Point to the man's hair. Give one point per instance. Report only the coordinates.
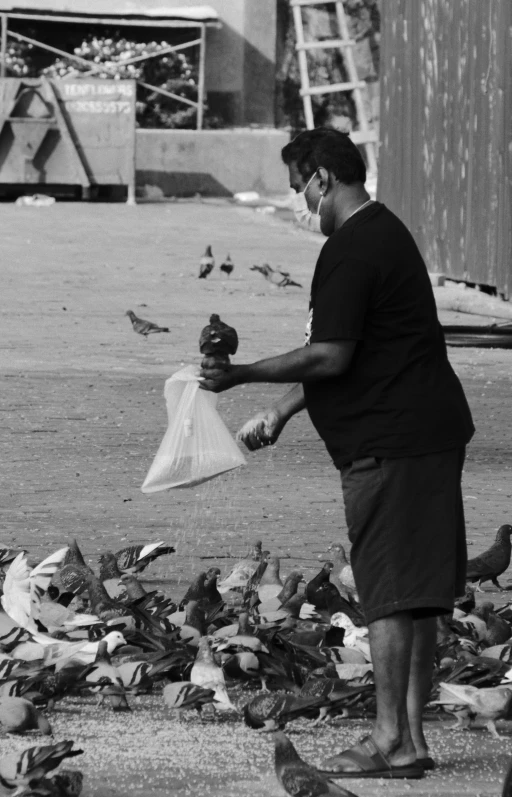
(328, 148)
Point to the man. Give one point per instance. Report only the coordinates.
(376, 381)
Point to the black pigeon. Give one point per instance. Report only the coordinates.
(493, 562)
(315, 589)
(143, 327)
(228, 266)
(206, 264)
(218, 339)
(298, 778)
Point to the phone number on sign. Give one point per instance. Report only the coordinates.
(99, 106)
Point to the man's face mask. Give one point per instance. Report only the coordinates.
(305, 217)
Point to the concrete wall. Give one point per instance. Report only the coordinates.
(240, 60)
(211, 162)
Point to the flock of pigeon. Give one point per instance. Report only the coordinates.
(206, 265)
(267, 650)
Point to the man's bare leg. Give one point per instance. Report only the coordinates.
(391, 646)
(420, 679)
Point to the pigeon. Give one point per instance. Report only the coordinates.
(270, 583)
(18, 715)
(23, 588)
(342, 570)
(227, 266)
(133, 587)
(207, 263)
(489, 704)
(136, 558)
(275, 276)
(102, 605)
(290, 587)
(101, 675)
(26, 770)
(493, 562)
(143, 327)
(497, 630)
(217, 339)
(110, 575)
(286, 282)
(7, 555)
(317, 590)
(195, 592)
(186, 696)
(298, 778)
(66, 783)
(243, 570)
(272, 710)
(207, 674)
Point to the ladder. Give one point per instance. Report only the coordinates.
(365, 135)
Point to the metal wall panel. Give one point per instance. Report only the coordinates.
(445, 161)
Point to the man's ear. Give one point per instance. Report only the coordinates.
(324, 179)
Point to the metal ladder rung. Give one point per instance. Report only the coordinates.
(312, 2)
(364, 136)
(331, 88)
(326, 44)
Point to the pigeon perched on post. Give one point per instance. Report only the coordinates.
(493, 562)
(143, 327)
(298, 778)
(206, 264)
(228, 266)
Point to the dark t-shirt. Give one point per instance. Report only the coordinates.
(400, 396)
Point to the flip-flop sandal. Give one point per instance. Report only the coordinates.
(427, 763)
(372, 763)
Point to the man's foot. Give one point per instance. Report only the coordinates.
(367, 760)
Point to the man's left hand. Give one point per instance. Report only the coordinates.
(219, 379)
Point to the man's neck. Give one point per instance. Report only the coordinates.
(349, 204)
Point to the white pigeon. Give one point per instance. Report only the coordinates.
(24, 588)
(468, 702)
(207, 674)
(59, 652)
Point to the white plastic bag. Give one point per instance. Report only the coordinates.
(197, 445)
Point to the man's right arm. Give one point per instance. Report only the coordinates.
(265, 428)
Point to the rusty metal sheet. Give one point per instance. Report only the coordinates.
(445, 161)
(67, 132)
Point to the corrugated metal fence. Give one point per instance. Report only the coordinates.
(445, 162)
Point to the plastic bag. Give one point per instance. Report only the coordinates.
(197, 446)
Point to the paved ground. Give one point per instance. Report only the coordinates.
(83, 414)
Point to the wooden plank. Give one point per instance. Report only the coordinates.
(131, 22)
(330, 88)
(303, 68)
(201, 79)
(326, 44)
(312, 2)
(3, 45)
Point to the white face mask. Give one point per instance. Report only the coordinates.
(305, 217)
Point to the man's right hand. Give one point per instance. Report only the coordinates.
(262, 430)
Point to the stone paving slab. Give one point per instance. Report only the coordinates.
(82, 415)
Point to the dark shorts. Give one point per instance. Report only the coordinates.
(406, 524)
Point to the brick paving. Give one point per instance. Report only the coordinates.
(82, 410)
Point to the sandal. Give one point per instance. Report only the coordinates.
(427, 763)
(372, 763)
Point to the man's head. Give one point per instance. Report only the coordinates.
(325, 162)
